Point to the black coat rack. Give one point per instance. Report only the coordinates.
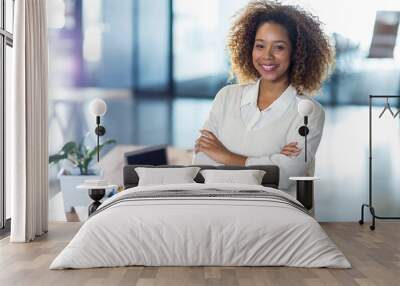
(369, 205)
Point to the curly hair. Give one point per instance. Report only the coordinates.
(312, 56)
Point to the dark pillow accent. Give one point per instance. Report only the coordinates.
(270, 179)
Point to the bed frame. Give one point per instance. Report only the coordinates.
(270, 179)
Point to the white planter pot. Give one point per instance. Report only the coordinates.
(72, 196)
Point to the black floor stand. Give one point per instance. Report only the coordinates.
(305, 193)
(374, 216)
(96, 195)
(371, 208)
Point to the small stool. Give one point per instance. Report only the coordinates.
(305, 190)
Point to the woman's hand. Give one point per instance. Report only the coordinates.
(209, 144)
(291, 150)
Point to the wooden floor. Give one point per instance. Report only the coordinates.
(375, 257)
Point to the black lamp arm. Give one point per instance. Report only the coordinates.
(99, 131)
(303, 131)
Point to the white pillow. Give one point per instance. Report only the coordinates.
(248, 177)
(164, 176)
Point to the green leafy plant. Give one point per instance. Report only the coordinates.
(79, 154)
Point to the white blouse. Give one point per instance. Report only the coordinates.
(253, 117)
(260, 135)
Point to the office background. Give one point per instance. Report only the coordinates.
(158, 64)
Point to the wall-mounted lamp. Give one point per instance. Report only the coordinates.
(98, 108)
(305, 107)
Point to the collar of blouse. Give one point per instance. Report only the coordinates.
(250, 96)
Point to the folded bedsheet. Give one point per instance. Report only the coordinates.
(201, 224)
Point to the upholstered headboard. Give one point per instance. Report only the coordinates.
(270, 179)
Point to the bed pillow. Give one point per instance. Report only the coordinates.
(165, 176)
(248, 177)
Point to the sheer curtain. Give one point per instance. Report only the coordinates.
(27, 117)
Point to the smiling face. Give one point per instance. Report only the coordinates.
(271, 52)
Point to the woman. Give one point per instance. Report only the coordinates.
(279, 53)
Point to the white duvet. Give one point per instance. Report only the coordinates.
(200, 231)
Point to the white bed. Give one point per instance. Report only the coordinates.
(206, 230)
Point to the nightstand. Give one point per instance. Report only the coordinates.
(305, 190)
(96, 191)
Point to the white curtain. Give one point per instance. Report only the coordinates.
(28, 143)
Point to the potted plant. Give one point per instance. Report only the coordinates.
(79, 157)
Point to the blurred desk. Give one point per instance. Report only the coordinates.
(113, 162)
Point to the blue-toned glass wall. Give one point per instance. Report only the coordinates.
(101, 50)
(199, 34)
(107, 46)
(351, 26)
(200, 29)
(201, 63)
(152, 46)
(90, 45)
(126, 47)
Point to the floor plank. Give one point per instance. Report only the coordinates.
(374, 255)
